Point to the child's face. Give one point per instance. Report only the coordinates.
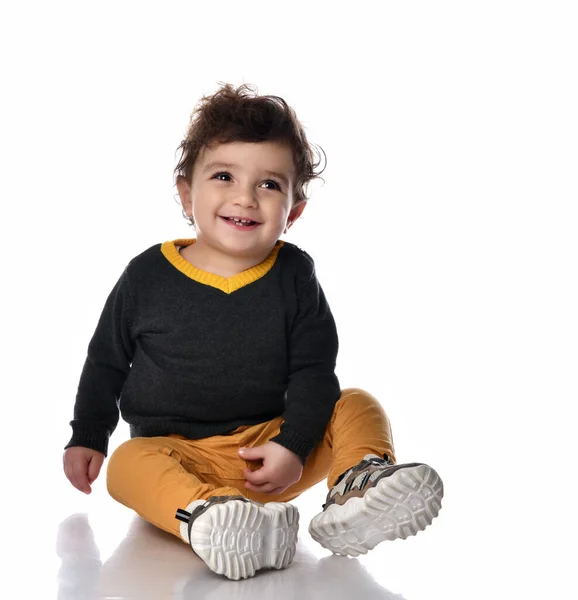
(251, 181)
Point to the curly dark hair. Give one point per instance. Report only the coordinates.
(241, 115)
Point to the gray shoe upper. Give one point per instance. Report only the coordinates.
(359, 478)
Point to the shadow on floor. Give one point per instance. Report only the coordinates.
(151, 564)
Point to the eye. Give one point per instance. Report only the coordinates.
(219, 174)
(228, 175)
(274, 183)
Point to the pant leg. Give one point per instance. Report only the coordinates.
(358, 426)
(155, 476)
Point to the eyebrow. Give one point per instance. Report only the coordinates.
(222, 165)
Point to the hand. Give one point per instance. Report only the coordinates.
(82, 466)
(281, 468)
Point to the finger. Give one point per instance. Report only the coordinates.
(68, 464)
(251, 453)
(67, 471)
(258, 477)
(94, 467)
(80, 479)
(278, 490)
(262, 489)
(70, 469)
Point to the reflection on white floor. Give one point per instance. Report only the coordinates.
(105, 551)
(64, 545)
(151, 564)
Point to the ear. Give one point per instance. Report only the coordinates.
(295, 213)
(184, 189)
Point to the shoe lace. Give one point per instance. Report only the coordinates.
(358, 481)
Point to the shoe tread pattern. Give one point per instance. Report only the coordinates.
(398, 506)
(237, 538)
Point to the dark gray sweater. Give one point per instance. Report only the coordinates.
(180, 350)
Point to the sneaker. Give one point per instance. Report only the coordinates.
(236, 536)
(376, 501)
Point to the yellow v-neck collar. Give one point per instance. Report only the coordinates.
(225, 284)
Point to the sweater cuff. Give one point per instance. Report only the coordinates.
(294, 441)
(89, 438)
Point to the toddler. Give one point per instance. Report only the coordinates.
(219, 351)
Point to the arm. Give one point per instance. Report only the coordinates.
(107, 365)
(313, 387)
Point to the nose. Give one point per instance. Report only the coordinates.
(246, 198)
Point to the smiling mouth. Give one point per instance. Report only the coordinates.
(241, 222)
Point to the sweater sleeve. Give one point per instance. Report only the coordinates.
(313, 387)
(105, 370)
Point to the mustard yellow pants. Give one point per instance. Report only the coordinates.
(154, 476)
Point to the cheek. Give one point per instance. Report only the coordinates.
(204, 206)
(279, 214)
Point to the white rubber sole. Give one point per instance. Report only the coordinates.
(397, 507)
(237, 538)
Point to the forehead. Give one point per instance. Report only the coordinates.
(265, 156)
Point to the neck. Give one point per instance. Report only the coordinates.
(219, 263)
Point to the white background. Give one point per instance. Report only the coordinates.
(444, 237)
